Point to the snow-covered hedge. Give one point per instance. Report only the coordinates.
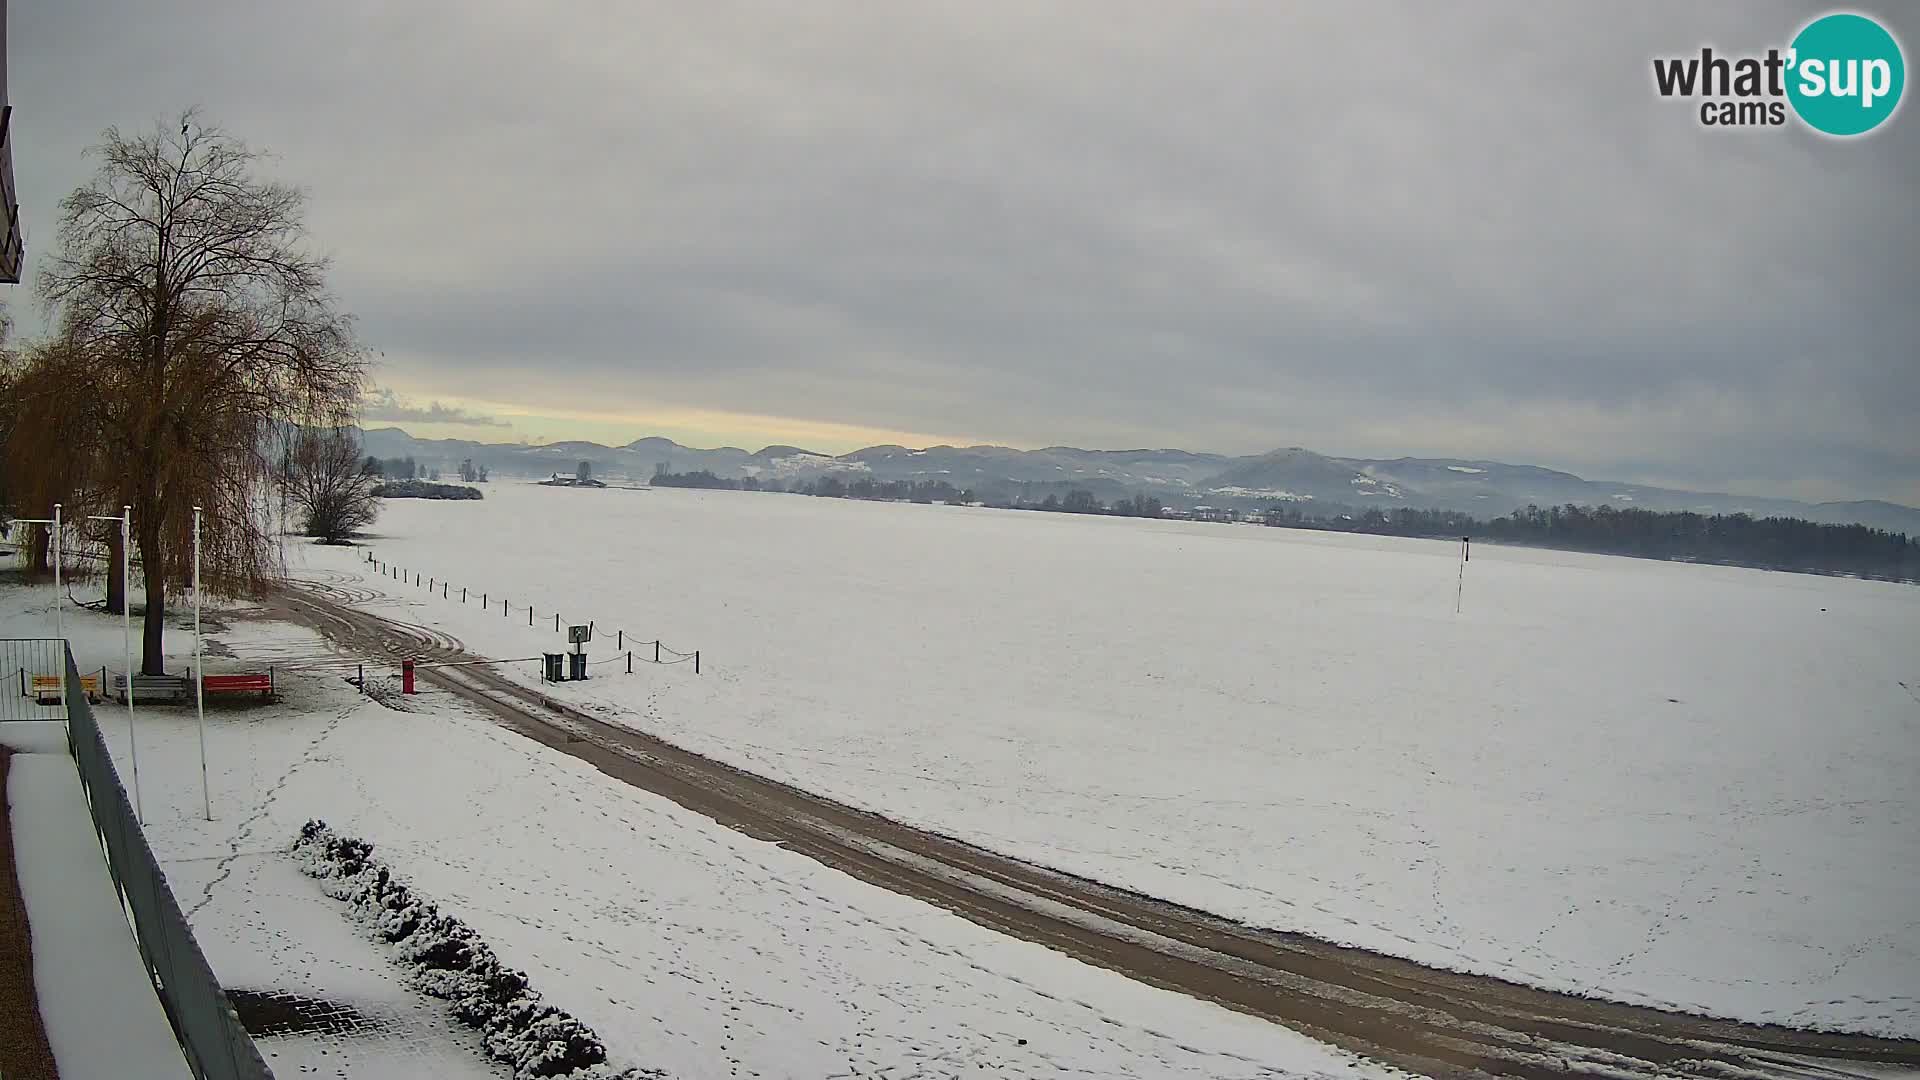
(446, 959)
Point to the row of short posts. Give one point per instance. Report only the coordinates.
(549, 672)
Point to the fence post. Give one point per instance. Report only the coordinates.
(629, 661)
(696, 661)
(556, 622)
(443, 590)
(656, 650)
(363, 678)
(619, 639)
(529, 614)
(463, 594)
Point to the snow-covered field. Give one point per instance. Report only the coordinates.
(1679, 785)
(687, 946)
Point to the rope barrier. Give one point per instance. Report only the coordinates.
(475, 663)
(443, 588)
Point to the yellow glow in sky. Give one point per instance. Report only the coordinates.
(702, 428)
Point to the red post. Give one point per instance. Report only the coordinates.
(406, 676)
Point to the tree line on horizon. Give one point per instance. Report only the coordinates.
(1775, 543)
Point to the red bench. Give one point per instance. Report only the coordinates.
(238, 684)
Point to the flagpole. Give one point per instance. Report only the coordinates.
(59, 604)
(126, 630)
(59, 613)
(125, 519)
(1460, 584)
(200, 675)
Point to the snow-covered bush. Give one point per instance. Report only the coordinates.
(445, 958)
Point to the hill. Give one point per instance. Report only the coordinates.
(1328, 485)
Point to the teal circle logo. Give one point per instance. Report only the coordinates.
(1845, 74)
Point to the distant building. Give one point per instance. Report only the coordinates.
(571, 480)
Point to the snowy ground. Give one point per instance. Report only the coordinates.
(687, 946)
(1678, 785)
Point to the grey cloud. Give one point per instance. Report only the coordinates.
(382, 404)
(1415, 229)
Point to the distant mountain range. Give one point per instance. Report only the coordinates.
(1315, 482)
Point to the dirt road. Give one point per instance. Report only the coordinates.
(1424, 1020)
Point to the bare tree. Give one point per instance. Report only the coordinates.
(187, 281)
(331, 486)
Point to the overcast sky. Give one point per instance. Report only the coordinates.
(1429, 230)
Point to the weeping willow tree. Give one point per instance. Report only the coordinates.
(49, 449)
(194, 329)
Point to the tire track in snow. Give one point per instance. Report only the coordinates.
(1426, 1020)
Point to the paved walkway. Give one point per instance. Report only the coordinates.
(24, 1052)
(88, 976)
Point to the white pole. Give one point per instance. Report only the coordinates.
(199, 675)
(1461, 583)
(126, 624)
(59, 616)
(59, 605)
(59, 594)
(125, 519)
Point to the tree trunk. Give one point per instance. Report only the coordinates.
(153, 652)
(41, 565)
(116, 585)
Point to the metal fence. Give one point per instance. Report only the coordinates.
(30, 679)
(216, 1045)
